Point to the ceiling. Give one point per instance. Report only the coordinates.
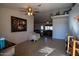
(39, 6)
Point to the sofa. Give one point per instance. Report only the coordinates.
(35, 36)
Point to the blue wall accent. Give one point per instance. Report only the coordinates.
(73, 23)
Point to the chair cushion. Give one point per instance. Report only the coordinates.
(35, 36)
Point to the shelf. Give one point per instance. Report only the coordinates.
(58, 16)
(77, 49)
(73, 46)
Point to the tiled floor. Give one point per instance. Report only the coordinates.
(30, 48)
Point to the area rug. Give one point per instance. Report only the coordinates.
(46, 50)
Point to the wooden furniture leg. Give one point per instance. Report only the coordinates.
(68, 44)
(74, 46)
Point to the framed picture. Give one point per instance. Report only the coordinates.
(18, 24)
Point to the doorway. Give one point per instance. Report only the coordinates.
(46, 30)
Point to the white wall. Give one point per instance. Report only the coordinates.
(5, 25)
(60, 27)
(73, 23)
(0, 25)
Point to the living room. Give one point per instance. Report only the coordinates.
(33, 27)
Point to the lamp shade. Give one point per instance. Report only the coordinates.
(77, 18)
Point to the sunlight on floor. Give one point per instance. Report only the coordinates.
(46, 50)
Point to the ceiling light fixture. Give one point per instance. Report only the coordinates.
(30, 11)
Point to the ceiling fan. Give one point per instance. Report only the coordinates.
(29, 11)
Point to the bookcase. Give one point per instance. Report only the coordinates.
(72, 46)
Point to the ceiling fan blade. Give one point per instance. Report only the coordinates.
(22, 10)
(35, 14)
(36, 11)
(25, 14)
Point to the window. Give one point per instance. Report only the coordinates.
(48, 28)
(51, 27)
(42, 27)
